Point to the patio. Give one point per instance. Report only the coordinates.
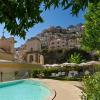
(65, 90)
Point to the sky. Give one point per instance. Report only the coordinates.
(57, 17)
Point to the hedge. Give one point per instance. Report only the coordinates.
(92, 87)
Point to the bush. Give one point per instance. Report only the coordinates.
(75, 58)
(92, 87)
(35, 73)
(84, 55)
(65, 78)
(97, 68)
(47, 72)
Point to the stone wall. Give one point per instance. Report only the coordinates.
(6, 56)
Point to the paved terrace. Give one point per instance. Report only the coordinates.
(65, 90)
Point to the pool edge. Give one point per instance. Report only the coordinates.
(53, 92)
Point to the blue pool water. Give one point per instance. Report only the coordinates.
(23, 90)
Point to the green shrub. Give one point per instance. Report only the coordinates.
(47, 72)
(75, 58)
(97, 68)
(84, 54)
(65, 78)
(92, 87)
(35, 73)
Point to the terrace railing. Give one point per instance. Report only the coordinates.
(8, 76)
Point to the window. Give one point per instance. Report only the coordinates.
(52, 42)
(63, 42)
(31, 49)
(57, 42)
(31, 58)
(63, 45)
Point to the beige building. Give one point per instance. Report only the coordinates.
(74, 43)
(7, 48)
(58, 44)
(30, 52)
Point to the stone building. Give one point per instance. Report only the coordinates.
(7, 48)
(59, 38)
(30, 52)
(57, 44)
(65, 43)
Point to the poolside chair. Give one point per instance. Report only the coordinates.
(63, 73)
(53, 74)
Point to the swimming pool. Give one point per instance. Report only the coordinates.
(24, 90)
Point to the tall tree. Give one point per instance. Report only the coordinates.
(91, 37)
(20, 15)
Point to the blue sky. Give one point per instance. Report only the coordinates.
(52, 17)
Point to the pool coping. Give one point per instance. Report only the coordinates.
(53, 95)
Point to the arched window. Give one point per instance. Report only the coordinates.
(31, 58)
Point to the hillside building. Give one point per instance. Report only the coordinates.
(55, 38)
